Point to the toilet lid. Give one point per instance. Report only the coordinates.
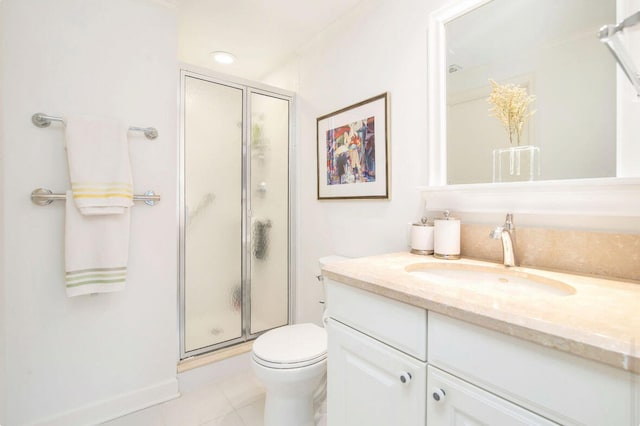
(299, 344)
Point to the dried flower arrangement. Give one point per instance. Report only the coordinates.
(511, 107)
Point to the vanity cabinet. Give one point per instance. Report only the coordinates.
(392, 363)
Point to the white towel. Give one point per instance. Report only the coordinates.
(96, 251)
(99, 167)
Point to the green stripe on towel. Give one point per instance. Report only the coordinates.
(85, 277)
(83, 271)
(121, 280)
(96, 276)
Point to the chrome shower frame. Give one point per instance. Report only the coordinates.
(248, 88)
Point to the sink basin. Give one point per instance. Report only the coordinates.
(513, 281)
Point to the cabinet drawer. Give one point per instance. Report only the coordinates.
(559, 386)
(397, 324)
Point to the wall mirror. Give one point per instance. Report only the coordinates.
(552, 50)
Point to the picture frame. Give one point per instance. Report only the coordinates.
(353, 151)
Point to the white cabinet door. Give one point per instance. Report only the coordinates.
(451, 401)
(370, 383)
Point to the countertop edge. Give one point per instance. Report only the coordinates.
(620, 360)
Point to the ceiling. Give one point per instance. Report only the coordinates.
(262, 34)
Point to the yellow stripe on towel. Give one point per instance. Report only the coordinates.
(115, 195)
(102, 190)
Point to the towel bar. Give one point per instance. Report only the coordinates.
(43, 120)
(44, 197)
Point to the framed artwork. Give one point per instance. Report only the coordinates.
(353, 151)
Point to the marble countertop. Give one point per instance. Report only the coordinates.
(595, 318)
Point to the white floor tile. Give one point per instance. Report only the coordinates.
(243, 389)
(253, 414)
(151, 416)
(238, 401)
(210, 403)
(180, 412)
(231, 419)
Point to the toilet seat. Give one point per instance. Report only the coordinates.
(291, 346)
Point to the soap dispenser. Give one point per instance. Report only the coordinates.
(446, 237)
(422, 237)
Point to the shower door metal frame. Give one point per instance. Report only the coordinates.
(247, 88)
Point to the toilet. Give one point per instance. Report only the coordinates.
(291, 363)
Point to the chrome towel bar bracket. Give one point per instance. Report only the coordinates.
(44, 197)
(43, 120)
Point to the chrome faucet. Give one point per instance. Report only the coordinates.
(507, 233)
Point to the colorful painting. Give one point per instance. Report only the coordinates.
(352, 151)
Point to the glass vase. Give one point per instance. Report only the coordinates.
(516, 163)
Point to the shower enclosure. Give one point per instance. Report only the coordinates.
(235, 180)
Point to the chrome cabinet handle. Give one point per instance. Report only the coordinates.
(438, 394)
(405, 377)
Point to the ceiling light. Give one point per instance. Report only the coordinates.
(223, 57)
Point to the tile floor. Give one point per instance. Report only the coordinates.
(233, 401)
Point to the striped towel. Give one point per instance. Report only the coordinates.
(99, 166)
(96, 251)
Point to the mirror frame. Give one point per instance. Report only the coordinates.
(597, 196)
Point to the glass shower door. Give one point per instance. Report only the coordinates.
(212, 223)
(269, 185)
(234, 212)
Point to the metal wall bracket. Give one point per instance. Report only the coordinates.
(610, 36)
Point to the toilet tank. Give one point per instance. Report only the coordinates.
(323, 261)
(330, 259)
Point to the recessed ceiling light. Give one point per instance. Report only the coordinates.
(223, 57)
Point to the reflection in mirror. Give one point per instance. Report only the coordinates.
(549, 48)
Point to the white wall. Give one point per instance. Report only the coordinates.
(379, 47)
(89, 358)
(3, 321)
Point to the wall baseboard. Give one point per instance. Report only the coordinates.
(115, 407)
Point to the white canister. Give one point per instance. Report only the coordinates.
(422, 238)
(446, 237)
